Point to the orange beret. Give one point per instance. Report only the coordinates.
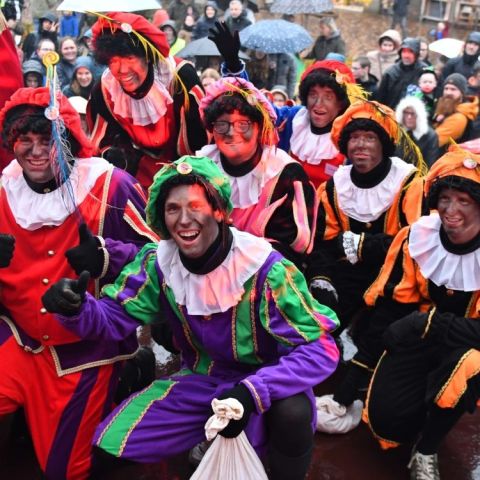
(456, 162)
(379, 113)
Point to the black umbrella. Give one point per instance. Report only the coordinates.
(203, 47)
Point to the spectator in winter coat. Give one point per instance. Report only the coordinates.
(32, 73)
(176, 44)
(82, 79)
(238, 16)
(398, 77)
(455, 111)
(47, 28)
(69, 25)
(464, 64)
(387, 53)
(411, 114)
(328, 41)
(400, 11)
(178, 11)
(363, 77)
(68, 55)
(206, 21)
(283, 71)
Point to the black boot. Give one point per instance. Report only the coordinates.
(283, 467)
(137, 373)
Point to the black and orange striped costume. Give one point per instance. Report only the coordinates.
(440, 369)
(328, 261)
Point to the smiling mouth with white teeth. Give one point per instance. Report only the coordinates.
(189, 236)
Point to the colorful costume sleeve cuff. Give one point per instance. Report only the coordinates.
(100, 320)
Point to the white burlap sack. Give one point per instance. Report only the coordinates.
(228, 458)
(335, 418)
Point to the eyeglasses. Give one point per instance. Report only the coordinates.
(239, 126)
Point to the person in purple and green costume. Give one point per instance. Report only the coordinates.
(240, 314)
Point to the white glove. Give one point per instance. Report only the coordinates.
(350, 246)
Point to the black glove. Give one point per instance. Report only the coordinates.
(123, 155)
(117, 157)
(325, 297)
(243, 395)
(66, 296)
(7, 246)
(87, 255)
(228, 45)
(162, 334)
(405, 332)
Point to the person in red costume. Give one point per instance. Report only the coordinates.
(64, 384)
(144, 111)
(10, 75)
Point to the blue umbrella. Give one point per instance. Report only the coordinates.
(301, 6)
(275, 36)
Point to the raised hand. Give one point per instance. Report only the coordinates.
(228, 45)
(7, 247)
(67, 295)
(87, 255)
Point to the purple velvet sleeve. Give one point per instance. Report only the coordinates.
(304, 367)
(102, 319)
(119, 255)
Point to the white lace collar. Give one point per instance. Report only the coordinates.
(246, 190)
(150, 108)
(458, 272)
(367, 204)
(35, 210)
(220, 289)
(308, 146)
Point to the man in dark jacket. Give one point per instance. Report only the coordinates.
(328, 41)
(464, 64)
(238, 16)
(403, 73)
(400, 11)
(363, 77)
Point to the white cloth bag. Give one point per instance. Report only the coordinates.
(228, 458)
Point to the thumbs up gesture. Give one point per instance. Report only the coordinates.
(88, 254)
(66, 296)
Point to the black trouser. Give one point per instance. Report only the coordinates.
(403, 390)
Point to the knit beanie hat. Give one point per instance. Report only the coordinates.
(201, 167)
(457, 80)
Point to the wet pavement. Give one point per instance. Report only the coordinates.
(353, 456)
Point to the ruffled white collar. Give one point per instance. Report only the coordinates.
(35, 210)
(306, 145)
(246, 190)
(150, 108)
(367, 204)
(220, 289)
(457, 272)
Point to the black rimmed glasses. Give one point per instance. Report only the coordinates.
(239, 126)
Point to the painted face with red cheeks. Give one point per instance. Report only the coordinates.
(460, 215)
(323, 106)
(32, 151)
(191, 220)
(364, 150)
(130, 71)
(241, 138)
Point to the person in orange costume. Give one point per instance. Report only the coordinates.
(428, 377)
